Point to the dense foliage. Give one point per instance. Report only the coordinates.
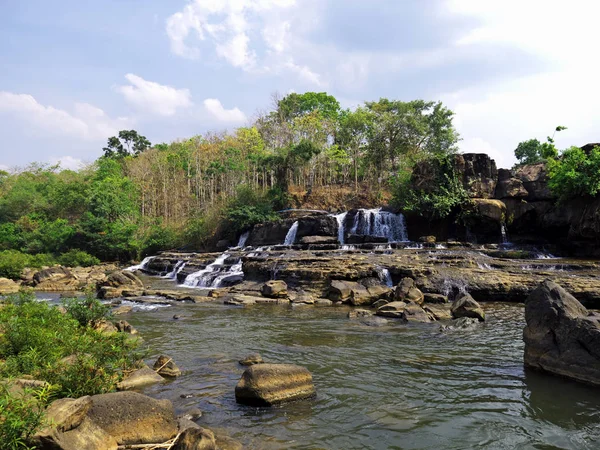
(575, 173)
(137, 199)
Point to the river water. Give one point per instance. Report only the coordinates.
(392, 387)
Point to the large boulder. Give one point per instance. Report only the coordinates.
(535, 181)
(271, 384)
(195, 438)
(509, 186)
(356, 293)
(406, 291)
(57, 278)
(139, 378)
(466, 306)
(117, 282)
(561, 336)
(274, 289)
(478, 174)
(166, 367)
(319, 225)
(270, 233)
(8, 286)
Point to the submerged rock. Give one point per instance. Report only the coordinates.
(165, 367)
(466, 306)
(271, 384)
(561, 336)
(252, 359)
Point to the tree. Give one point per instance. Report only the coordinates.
(128, 143)
(353, 135)
(296, 105)
(529, 152)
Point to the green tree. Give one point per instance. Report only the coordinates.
(128, 143)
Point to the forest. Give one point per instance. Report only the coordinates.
(139, 198)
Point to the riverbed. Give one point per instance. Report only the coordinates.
(393, 387)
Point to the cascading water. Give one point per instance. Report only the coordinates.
(375, 222)
(290, 237)
(204, 277)
(141, 266)
(243, 239)
(341, 230)
(176, 269)
(385, 277)
(504, 233)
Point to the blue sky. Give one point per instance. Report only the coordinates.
(75, 72)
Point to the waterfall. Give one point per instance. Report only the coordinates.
(503, 233)
(290, 237)
(234, 273)
(385, 277)
(375, 222)
(341, 230)
(141, 266)
(176, 269)
(243, 239)
(204, 277)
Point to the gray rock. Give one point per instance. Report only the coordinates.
(252, 359)
(466, 306)
(166, 367)
(139, 378)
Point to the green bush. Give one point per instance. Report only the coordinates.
(249, 208)
(575, 173)
(21, 415)
(38, 337)
(86, 310)
(12, 263)
(41, 260)
(75, 258)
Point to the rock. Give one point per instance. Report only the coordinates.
(192, 414)
(414, 313)
(8, 286)
(317, 226)
(271, 384)
(240, 300)
(252, 359)
(104, 327)
(478, 173)
(195, 439)
(427, 239)
(465, 322)
(318, 240)
(535, 181)
(379, 303)
(439, 311)
(270, 233)
(124, 309)
(357, 239)
(323, 302)
(494, 210)
(87, 436)
(57, 278)
(510, 188)
(406, 291)
(561, 337)
(274, 289)
(466, 306)
(123, 326)
(356, 293)
(373, 321)
(117, 282)
(435, 298)
(357, 313)
(132, 293)
(223, 245)
(339, 291)
(302, 298)
(165, 367)
(139, 378)
(66, 413)
(392, 309)
(227, 443)
(132, 418)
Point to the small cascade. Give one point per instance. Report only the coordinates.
(504, 233)
(141, 266)
(290, 237)
(375, 222)
(349, 247)
(176, 269)
(341, 229)
(484, 266)
(243, 239)
(385, 276)
(235, 273)
(453, 287)
(204, 277)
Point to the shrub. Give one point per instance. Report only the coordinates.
(41, 259)
(22, 414)
(12, 263)
(575, 173)
(74, 258)
(249, 208)
(38, 337)
(86, 310)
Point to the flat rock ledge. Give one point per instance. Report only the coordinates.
(272, 384)
(561, 337)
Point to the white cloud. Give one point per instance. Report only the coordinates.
(3, 167)
(153, 97)
(275, 35)
(86, 121)
(216, 109)
(236, 51)
(68, 162)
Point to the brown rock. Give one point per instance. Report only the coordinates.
(270, 384)
(123, 326)
(274, 289)
(139, 378)
(196, 439)
(392, 309)
(414, 313)
(8, 286)
(466, 306)
(252, 359)
(124, 309)
(165, 367)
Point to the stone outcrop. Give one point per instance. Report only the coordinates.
(57, 278)
(319, 225)
(478, 174)
(274, 289)
(466, 306)
(103, 422)
(561, 337)
(119, 281)
(356, 293)
(509, 186)
(271, 233)
(271, 384)
(8, 286)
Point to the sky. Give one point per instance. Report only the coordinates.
(74, 73)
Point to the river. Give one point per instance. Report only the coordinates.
(392, 387)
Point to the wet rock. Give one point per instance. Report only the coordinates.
(104, 327)
(124, 309)
(465, 322)
(561, 336)
(166, 367)
(227, 443)
(302, 298)
(132, 293)
(466, 306)
(379, 303)
(439, 311)
(132, 418)
(252, 359)
(57, 278)
(392, 309)
(117, 282)
(510, 188)
(356, 313)
(317, 226)
(271, 384)
(408, 292)
(274, 289)
(240, 300)
(192, 414)
(435, 298)
(319, 240)
(195, 439)
(323, 302)
(535, 180)
(414, 313)
(8, 286)
(139, 378)
(373, 321)
(357, 239)
(123, 326)
(427, 239)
